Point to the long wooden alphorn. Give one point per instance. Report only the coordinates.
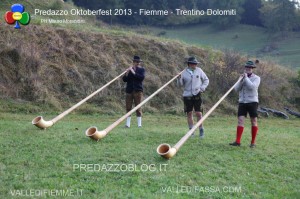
(166, 151)
(94, 134)
(41, 123)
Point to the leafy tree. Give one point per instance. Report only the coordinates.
(297, 25)
(251, 12)
(202, 4)
(279, 15)
(175, 4)
(226, 21)
(157, 5)
(298, 78)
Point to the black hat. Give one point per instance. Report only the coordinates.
(250, 64)
(137, 58)
(192, 60)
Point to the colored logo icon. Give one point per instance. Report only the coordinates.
(17, 15)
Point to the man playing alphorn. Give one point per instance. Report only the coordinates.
(194, 82)
(248, 102)
(134, 78)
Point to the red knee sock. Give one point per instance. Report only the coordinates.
(254, 132)
(239, 132)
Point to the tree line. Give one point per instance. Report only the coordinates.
(275, 15)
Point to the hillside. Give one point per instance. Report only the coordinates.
(58, 67)
(251, 40)
(52, 66)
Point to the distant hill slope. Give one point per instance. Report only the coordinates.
(255, 41)
(57, 66)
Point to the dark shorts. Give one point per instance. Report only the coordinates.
(250, 108)
(192, 103)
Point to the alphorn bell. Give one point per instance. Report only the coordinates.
(94, 134)
(166, 151)
(41, 123)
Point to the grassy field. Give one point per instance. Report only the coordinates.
(36, 162)
(243, 38)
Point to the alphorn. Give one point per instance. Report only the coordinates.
(166, 151)
(94, 134)
(43, 124)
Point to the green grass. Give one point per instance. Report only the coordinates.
(250, 40)
(34, 159)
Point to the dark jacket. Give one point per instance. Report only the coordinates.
(134, 82)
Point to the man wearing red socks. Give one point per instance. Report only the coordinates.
(248, 102)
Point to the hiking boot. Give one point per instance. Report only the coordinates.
(252, 146)
(235, 144)
(201, 133)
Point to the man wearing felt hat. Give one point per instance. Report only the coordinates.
(134, 78)
(194, 82)
(248, 102)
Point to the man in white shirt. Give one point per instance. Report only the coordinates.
(194, 82)
(248, 102)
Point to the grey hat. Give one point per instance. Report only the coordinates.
(250, 64)
(192, 60)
